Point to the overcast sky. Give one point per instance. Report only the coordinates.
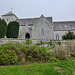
(58, 9)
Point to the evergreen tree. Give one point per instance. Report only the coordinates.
(3, 28)
(13, 29)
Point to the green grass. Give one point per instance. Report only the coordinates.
(68, 68)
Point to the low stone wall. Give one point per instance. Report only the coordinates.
(2, 41)
(6, 40)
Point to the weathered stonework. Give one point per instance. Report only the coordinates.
(42, 28)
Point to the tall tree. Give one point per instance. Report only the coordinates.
(13, 29)
(3, 28)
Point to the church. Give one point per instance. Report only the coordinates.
(41, 28)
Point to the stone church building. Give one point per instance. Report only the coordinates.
(41, 28)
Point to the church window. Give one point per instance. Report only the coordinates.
(57, 37)
(42, 32)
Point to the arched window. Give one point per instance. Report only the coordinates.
(57, 37)
(42, 32)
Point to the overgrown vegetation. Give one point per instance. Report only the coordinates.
(3, 28)
(7, 57)
(13, 29)
(21, 53)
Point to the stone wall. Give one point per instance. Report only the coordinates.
(9, 18)
(35, 30)
(2, 41)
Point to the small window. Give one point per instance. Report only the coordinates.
(42, 32)
(57, 37)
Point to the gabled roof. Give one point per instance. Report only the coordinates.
(10, 14)
(31, 20)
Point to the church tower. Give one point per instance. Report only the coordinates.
(10, 16)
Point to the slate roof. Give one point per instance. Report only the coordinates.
(58, 26)
(31, 20)
(64, 25)
(10, 14)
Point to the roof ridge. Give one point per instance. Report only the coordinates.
(33, 18)
(64, 21)
(9, 13)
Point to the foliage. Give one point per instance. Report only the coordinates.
(59, 43)
(27, 52)
(53, 59)
(51, 44)
(31, 53)
(69, 36)
(3, 28)
(71, 48)
(13, 29)
(7, 57)
(28, 41)
(62, 52)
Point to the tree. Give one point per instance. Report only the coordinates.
(69, 36)
(3, 28)
(13, 29)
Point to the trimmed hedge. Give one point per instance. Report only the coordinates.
(13, 29)
(3, 28)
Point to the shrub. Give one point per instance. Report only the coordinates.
(59, 43)
(62, 53)
(13, 29)
(3, 28)
(69, 36)
(13, 46)
(28, 41)
(27, 53)
(53, 59)
(42, 53)
(7, 57)
(71, 48)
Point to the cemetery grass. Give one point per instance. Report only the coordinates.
(64, 67)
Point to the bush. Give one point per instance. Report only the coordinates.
(71, 48)
(7, 57)
(34, 53)
(3, 28)
(28, 53)
(69, 36)
(13, 29)
(28, 41)
(62, 53)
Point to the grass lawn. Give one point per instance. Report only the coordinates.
(57, 68)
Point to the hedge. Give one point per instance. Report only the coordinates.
(3, 28)
(13, 29)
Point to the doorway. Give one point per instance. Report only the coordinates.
(27, 36)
